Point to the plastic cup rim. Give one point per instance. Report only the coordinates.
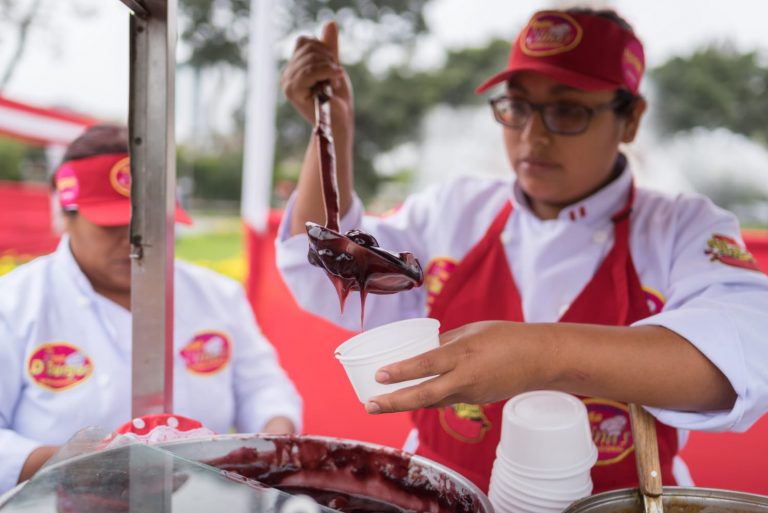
(338, 352)
(501, 481)
(543, 473)
(531, 502)
(508, 417)
(386, 355)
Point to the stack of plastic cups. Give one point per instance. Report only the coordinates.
(545, 454)
(365, 353)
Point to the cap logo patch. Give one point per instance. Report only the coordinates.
(550, 33)
(632, 64)
(67, 186)
(120, 177)
(207, 353)
(729, 252)
(58, 366)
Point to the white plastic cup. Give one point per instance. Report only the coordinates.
(365, 353)
(514, 502)
(546, 433)
(503, 503)
(551, 490)
(547, 474)
(574, 487)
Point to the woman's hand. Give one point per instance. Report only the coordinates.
(279, 426)
(478, 363)
(490, 361)
(35, 460)
(315, 60)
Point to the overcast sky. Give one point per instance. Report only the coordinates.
(78, 52)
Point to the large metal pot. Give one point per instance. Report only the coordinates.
(428, 479)
(676, 500)
(98, 481)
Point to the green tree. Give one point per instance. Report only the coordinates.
(389, 107)
(21, 162)
(22, 22)
(216, 176)
(216, 31)
(216, 34)
(714, 87)
(12, 155)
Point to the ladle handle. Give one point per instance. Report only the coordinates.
(646, 450)
(326, 153)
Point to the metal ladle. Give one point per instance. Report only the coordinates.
(353, 260)
(647, 458)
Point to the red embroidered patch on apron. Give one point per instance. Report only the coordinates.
(655, 299)
(465, 422)
(207, 353)
(611, 430)
(438, 271)
(58, 366)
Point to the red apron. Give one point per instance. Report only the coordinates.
(463, 436)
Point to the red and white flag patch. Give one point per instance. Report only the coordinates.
(729, 252)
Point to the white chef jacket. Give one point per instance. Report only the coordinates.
(721, 309)
(50, 303)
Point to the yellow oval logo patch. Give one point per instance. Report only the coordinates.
(59, 366)
(207, 353)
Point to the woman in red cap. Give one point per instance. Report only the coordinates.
(65, 328)
(567, 277)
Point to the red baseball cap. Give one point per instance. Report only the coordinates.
(99, 188)
(585, 51)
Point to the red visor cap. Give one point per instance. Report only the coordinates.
(99, 188)
(583, 51)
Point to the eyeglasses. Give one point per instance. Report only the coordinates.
(559, 117)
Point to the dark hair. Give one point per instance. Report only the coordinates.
(98, 140)
(624, 100)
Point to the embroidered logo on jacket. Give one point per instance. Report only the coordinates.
(611, 430)
(438, 271)
(207, 353)
(59, 366)
(729, 252)
(465, 422)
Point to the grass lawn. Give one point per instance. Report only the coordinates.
(210, 246)
(221, 251)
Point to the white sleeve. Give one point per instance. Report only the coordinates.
(14, 448)
(262, 388)
(722, 310)
(313, 290)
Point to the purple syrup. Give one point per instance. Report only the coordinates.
(353, 261)
(346, 477)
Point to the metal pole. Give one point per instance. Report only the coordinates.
(138, 7)
(153, 168)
